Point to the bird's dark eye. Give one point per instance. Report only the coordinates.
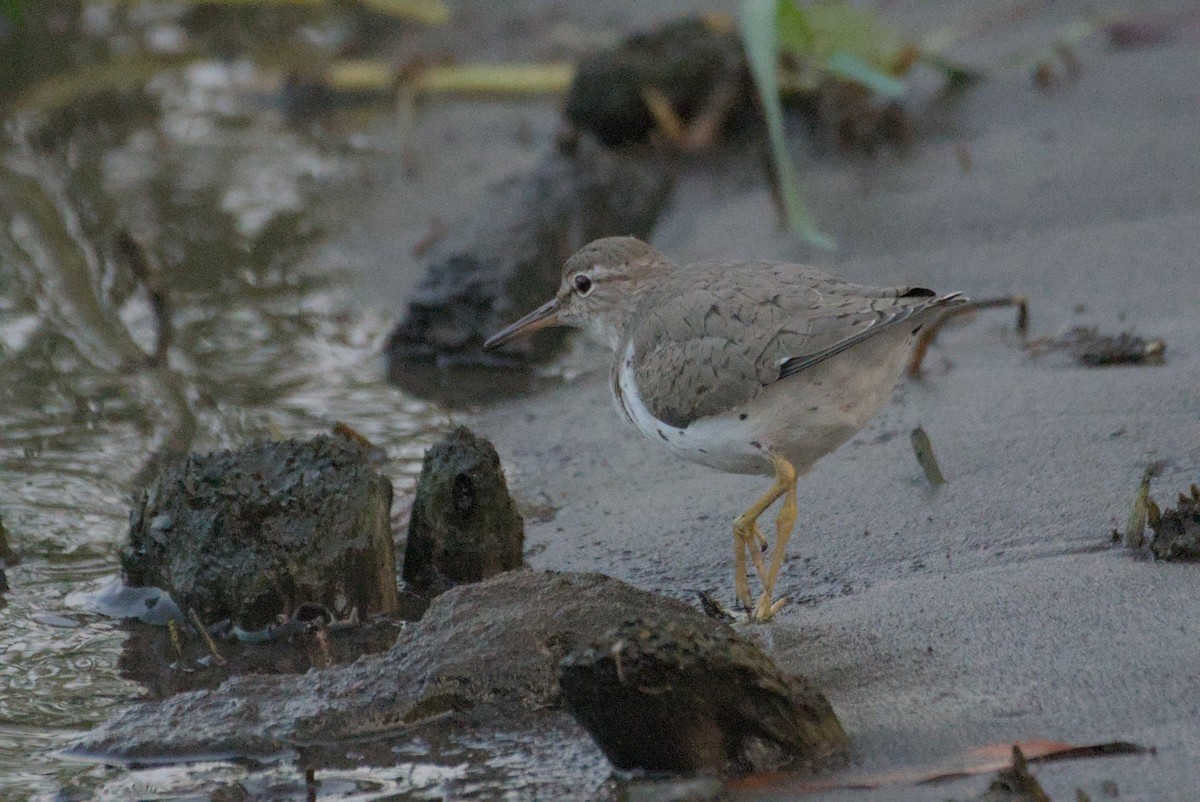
(583, 284)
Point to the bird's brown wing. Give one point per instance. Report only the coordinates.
(711, 338)
(912, 313)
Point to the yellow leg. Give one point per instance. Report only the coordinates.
(747, 539)
(741, 588)
(747, 536)
(785, 523)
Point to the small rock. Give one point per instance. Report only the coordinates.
(464, 525)
(689, 696)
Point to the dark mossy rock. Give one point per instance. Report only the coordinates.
(1177, 531)
(684, 60)
(464, 525)
(506, 257)
(253, 534)
(689, 695)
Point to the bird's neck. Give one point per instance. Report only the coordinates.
(609, 328)
(606, 330)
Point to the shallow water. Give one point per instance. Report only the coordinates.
(234, 204)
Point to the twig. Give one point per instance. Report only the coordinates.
(131, 252)
(930, 331)
(212, 647)
(1141, 509)
(925, 458)
(173, 630)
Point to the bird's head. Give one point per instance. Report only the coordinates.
(600, 286)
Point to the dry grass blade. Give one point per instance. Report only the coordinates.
(494, 79)
(430, 12)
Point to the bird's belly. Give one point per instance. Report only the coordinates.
(734, 445)
(806, 416)
(722, 442)
(801, 418)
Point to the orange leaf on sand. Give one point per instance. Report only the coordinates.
(980, 760)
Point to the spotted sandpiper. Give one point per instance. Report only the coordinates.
(747, 367)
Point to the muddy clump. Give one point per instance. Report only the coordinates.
(464, 525)
(691, 696)
(1092, 349)
(1176, 531)
(253, 535)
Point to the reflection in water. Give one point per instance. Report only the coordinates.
(260, 349)
(57, 265)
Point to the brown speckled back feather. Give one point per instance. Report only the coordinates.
(708, 365)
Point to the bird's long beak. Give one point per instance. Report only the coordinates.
(544, 316)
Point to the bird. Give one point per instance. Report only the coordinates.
(749, 367)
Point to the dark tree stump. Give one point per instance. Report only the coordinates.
(464, 526)
(253, 534)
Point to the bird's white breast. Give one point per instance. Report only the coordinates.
(721, 441)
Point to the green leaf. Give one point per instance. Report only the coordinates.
(842, 28)
(793, 27)
(757, 22)
(852, 68)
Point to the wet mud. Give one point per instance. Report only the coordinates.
(167, 661)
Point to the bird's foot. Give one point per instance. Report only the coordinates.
(766, 609)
